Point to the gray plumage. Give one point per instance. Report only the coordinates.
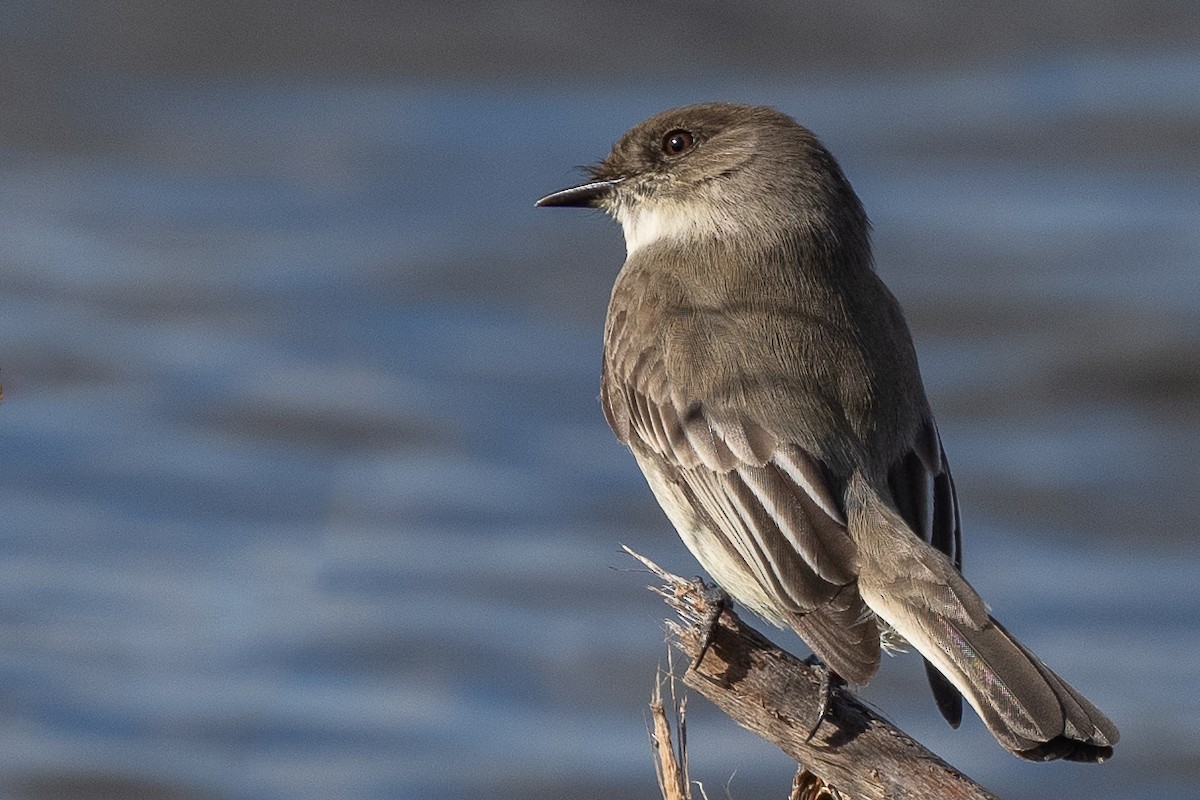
(765, 381)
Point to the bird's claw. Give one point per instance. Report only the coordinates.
(828, 680)
(715, 602)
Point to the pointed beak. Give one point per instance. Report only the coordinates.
(588, 195)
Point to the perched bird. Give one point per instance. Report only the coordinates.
(766, 382)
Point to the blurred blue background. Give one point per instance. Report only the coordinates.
(304, 487)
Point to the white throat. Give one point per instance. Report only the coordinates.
(647, 223)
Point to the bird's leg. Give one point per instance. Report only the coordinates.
(828, 680)
(716, 602)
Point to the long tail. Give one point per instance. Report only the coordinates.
(1030, 710)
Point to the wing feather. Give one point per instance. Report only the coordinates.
(762, 517)
(924, 494)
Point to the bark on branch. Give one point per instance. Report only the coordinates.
(777, 696)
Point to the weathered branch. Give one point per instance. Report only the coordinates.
(778, 696)
(670, 757)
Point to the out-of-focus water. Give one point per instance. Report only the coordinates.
(306, 492)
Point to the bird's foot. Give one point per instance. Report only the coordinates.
(715, 603)
(829, 680)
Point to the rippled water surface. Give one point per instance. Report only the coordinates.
(305, 488)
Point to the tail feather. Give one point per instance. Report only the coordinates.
(1030, 710)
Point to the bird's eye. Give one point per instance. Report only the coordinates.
(678, 142)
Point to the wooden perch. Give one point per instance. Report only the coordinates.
(855, 753)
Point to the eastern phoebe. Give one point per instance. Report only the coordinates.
(766, 382)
